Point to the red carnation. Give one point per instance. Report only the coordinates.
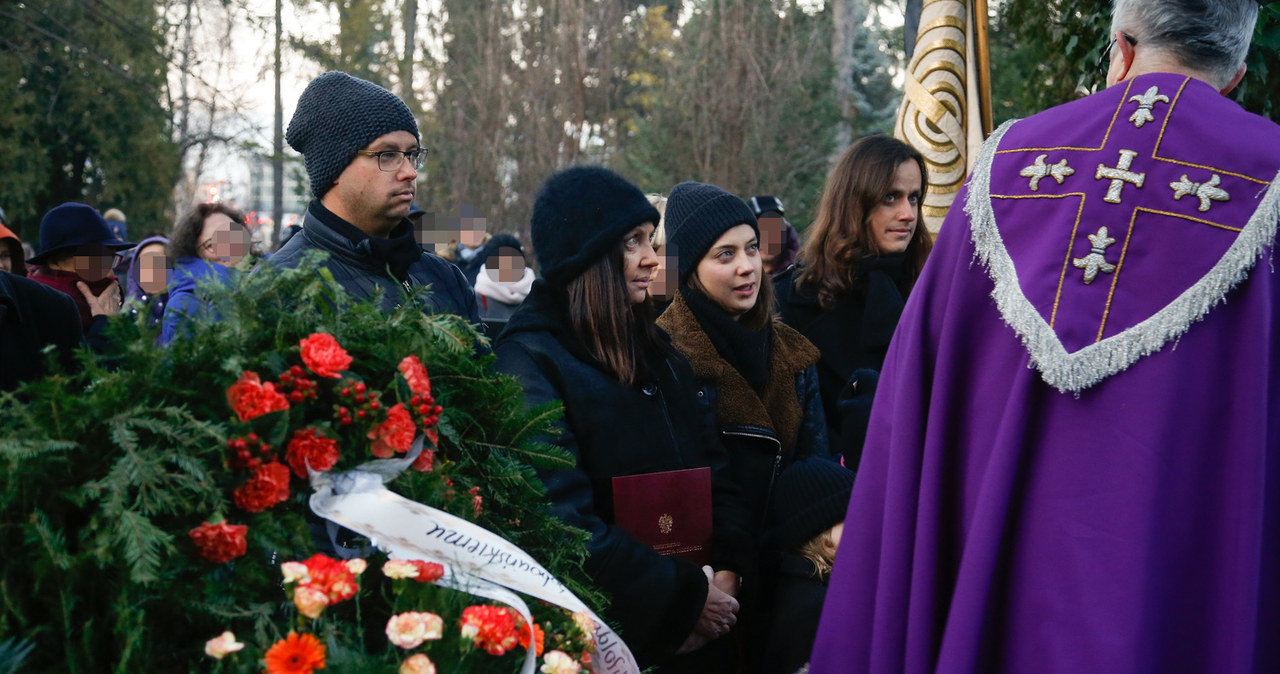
(423, 463)
(490, 627)
(324, 356)
(268, 486)
(416, 374)
(428, 572)
(308, 448)
(394, 435)
(220, 542)
(250, 398)
(330, 576)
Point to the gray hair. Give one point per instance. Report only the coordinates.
(1208, 36)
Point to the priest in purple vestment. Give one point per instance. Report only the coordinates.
(1073, 462)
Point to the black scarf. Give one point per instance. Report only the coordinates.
(883, 278)
(398, 251)
(745, 349)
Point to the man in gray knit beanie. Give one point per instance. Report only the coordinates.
(362, 155)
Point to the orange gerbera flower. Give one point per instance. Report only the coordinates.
(295, 654)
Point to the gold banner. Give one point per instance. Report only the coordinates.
(945, 111)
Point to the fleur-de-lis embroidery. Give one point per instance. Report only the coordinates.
(1203, 191)
(1096, 260)
(1145, 103)
(1039, 169)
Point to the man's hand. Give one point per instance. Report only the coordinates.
(727, 582)
(719, 613)
(105, 304)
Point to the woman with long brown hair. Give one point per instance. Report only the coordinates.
(585, 336)
(862, 255)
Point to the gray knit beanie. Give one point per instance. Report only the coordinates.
(337, 115)
(697, 214)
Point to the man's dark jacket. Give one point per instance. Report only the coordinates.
(33, 316)
(361, 264)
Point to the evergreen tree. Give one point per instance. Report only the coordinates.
(83, 118)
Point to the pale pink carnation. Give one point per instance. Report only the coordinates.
(310, 601)
(418, 664)
(399, 568)
(410, 629)
(584, 622)
(357, 566)
(295, 572)
(222, 645)
(559, 662)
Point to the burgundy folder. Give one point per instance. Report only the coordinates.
(668, 511)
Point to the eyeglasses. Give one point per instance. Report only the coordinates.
(390, 160)
(1105, 58)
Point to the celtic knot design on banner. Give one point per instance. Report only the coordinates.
(933, 111)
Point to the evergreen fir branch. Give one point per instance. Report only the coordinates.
(540, 420)
(19, 450)
(540, 455)
(12, 652)
(142, 543)
(50, 541)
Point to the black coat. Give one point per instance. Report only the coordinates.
(852, 336)
(752, 431)
(358, 267)
(33, 316)
(794, 614)
(617, 430)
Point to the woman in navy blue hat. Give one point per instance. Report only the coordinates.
(77, 252)
(584, 336)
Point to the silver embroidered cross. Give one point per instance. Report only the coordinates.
(1204, 191)
(1119, 176)
(1145, 103)
(1038, 170)
(1096, 260)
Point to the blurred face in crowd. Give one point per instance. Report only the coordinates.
(153, 268)
(638, 261)
(662, 283)
(505, 266)
(731, 270)
(471, 234)
(372, 199)
(92, 262)
(893, 220)
(223, 240)
(770, 235)
(6, 262)
(771, 228)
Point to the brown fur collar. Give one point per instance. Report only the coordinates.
(738, 404)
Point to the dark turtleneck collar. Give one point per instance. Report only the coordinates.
(745, 349)
(398, 251)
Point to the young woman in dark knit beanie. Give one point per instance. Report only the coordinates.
(585, 336)
(759, 372)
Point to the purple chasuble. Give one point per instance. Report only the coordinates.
(1073, 462)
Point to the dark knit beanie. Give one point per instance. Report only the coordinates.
(337, 115)
(579, 215)
(697, 214)
(810, 497)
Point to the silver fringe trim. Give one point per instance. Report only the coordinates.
(1077, 371)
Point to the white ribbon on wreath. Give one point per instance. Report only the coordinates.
(475, 560)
